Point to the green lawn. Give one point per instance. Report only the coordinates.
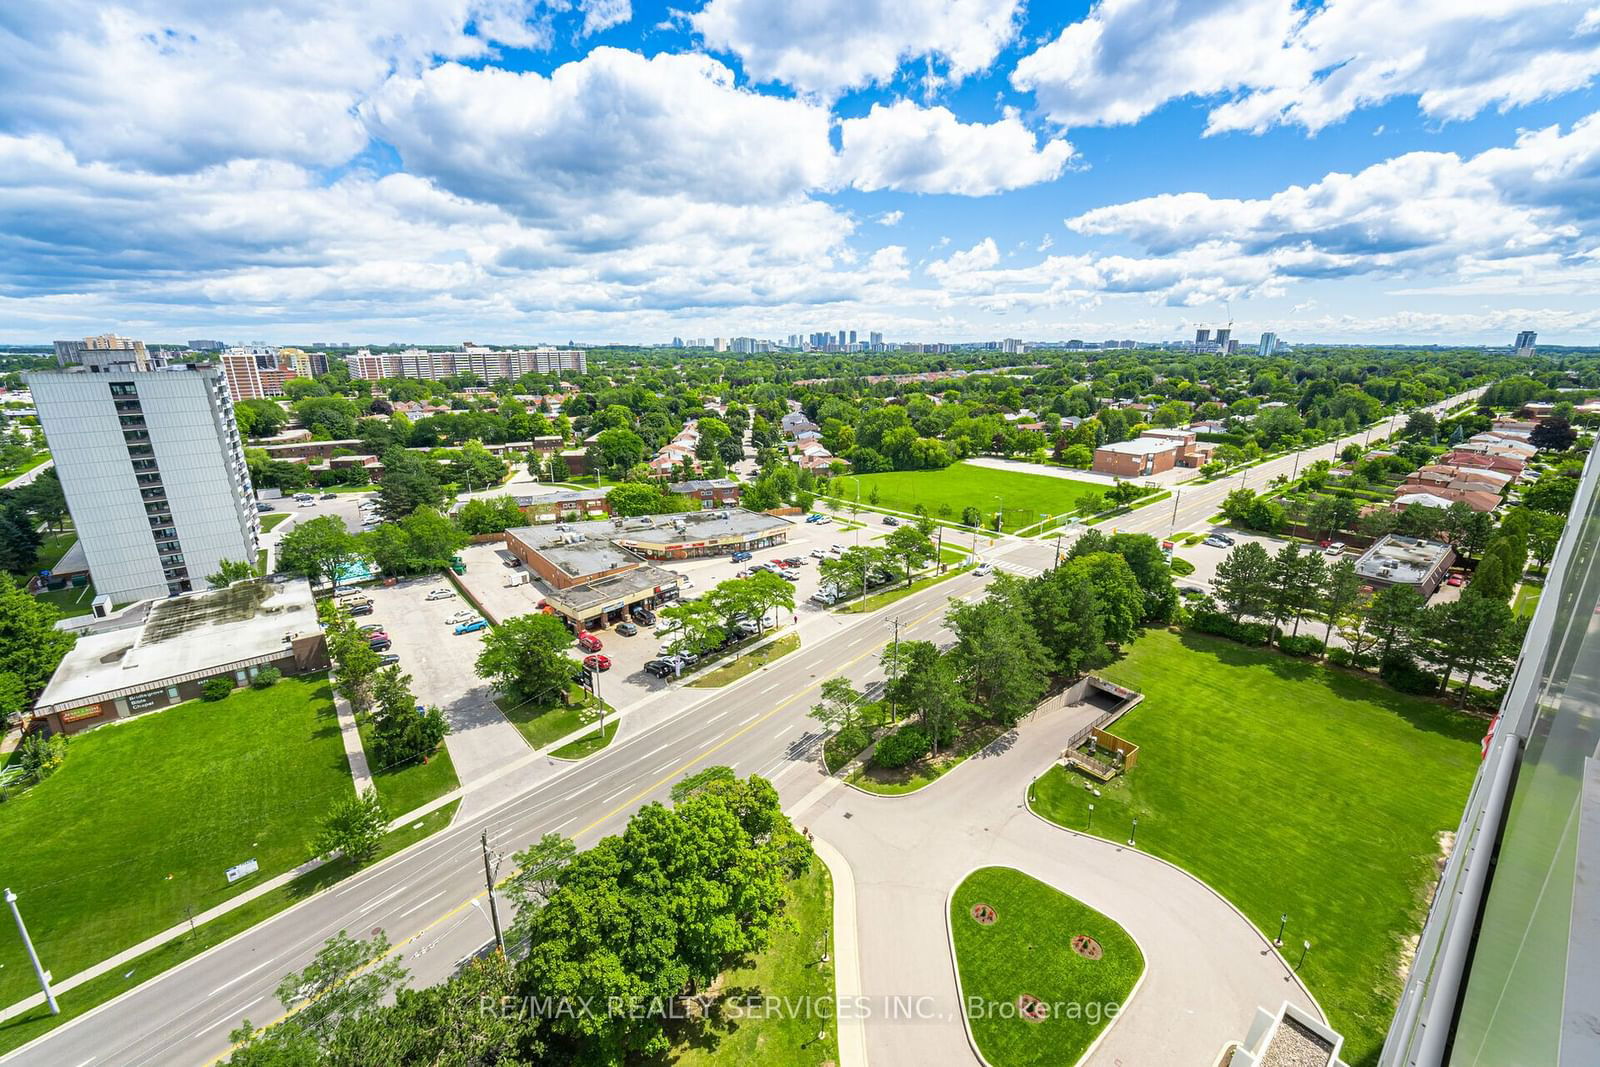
(18, 1031)
(70, 601)
(899, 592)
(1290, 788)
(1027, 498)
(1527, 598)
(1028, 950)
(544, 722)
(271, 519)
(904, 780)
(51, 549)
(16, 472)
(589, 743)
(789, 968)
(139, 825)
(410, 785)
(742, 666)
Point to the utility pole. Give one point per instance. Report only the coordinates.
(1177, 495)
(33, 957)
(895, 662)
(488, 880)
(1058, 548)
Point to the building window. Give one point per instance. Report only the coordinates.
(123, 389)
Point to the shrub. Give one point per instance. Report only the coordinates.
(1402, 672)
(844, 746)
(1247, 633)
(216, 688)
(406, 735)
(1343, 657)
(43, 754)
(1304, 645)
(906, 745)
(1182, 567)
(266, 678)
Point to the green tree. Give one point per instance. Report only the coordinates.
(486, 515)
(526, 657)
(1296, 584)
(637, 498)
(997, 655)
(769, 592)
(615, 450)
(353, 829)
(971, 517)
(1339, 595)
(1119, 601)
(1394, 617)
(911, 547)
(1062, 606)
(410, 481)
(929, 689)
(345, 982)
(230, 571)
(1490, 580)
(30, 646)
(320, 549)
(1544, 534)
(537, 870)
(840, 706)
(696, 626)
(1244, 581)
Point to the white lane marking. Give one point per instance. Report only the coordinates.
(241, 977)
(617, 794)
(414, 907)
(387, 896)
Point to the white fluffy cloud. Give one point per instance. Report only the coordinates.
(1284, 63)
(828, 46)
(928, 150)
(182, 84)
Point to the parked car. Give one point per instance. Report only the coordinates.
(740, 556)
(747, 627)
(644, 616)
(778, 562)
(329, 496)
(308, 503)
(389, 660)
(589, 642)
(1214, 542)
(661, 668)
(794, 561)
(472, 627)
(513, 562)
(627, 629)
(983, 569)
(1335, 549)
(817, 553)
(1454, 579)
(890, 520)
(1224, 538)
(262, 505)
(376, 638)
(461, 617)
(372, 627)
(790, 576)
(440, 594)
(382, 645)
(350, 600)
(597, 663)
(815, 516)
(302, 497)
(361, 609)
(837, 550)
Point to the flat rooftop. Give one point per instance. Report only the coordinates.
(699, 527)
(576, 548)
(1401, 560)
(1143, 446)
(584, 600)
(198, 633)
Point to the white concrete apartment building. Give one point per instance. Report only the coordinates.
(154, 475)
(487, 364)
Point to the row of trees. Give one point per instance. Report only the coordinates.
(613, 936)
(1010, 645)
(702, 624)
(402, 730)
(1393, 628)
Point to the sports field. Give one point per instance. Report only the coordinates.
(1292, 789)
(1025, 498)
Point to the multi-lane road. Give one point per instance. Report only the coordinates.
(430, 900)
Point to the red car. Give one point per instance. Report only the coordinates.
(780, 563)
(597, 663)
(1454, 579)
(589, 642)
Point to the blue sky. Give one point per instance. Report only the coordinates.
(607, 171)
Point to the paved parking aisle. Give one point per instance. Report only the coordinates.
(481, 740)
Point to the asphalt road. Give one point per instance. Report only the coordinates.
(429, 899)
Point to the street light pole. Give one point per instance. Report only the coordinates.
(1283, 920)
(1134, 833)
(1091, 816)
(33, 957)
(1305, 946)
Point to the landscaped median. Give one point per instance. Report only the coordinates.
(899, 592)
(413, 783)
(897, 781)
(1041, 975)
(542, 722)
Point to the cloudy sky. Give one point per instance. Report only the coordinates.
(607, 170)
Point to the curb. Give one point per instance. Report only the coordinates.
(851, 1028)
(1265, 940)
(950, 938)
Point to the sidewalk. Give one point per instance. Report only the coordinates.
(350, 734)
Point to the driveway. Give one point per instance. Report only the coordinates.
(481, 740)
(1207, 969)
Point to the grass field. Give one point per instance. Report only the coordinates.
(410, 785)
(787, 969)
(23, 1028)
(1028, 950)
(71, 601)
(589, 743)
(753, 661)
(1027, 498)
(1527, 599)
(271, 519)
(1291, 789)
(542, 723)
(139, 825)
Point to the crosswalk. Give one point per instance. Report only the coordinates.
(1019, 569)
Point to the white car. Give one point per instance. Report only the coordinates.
(817, 553)
(1335, 549)
(440, 594)
(983, 569)
(308, 503)
(460, 617)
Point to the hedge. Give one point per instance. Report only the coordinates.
(1303, 645)
(1246, 633)
(906, 745)
(1182, 567)
(844, 746)
(1402, 672)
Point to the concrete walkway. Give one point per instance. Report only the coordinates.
(350, 734)
(1207, 967)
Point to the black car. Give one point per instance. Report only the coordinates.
(388, 661)
(361, 609)
(381, 646)
(659, 667)
(644, 616)
(329, 496)
(890, 520)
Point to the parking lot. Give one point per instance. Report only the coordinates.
(627, 682)
(1205, 559)
(440, 663)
